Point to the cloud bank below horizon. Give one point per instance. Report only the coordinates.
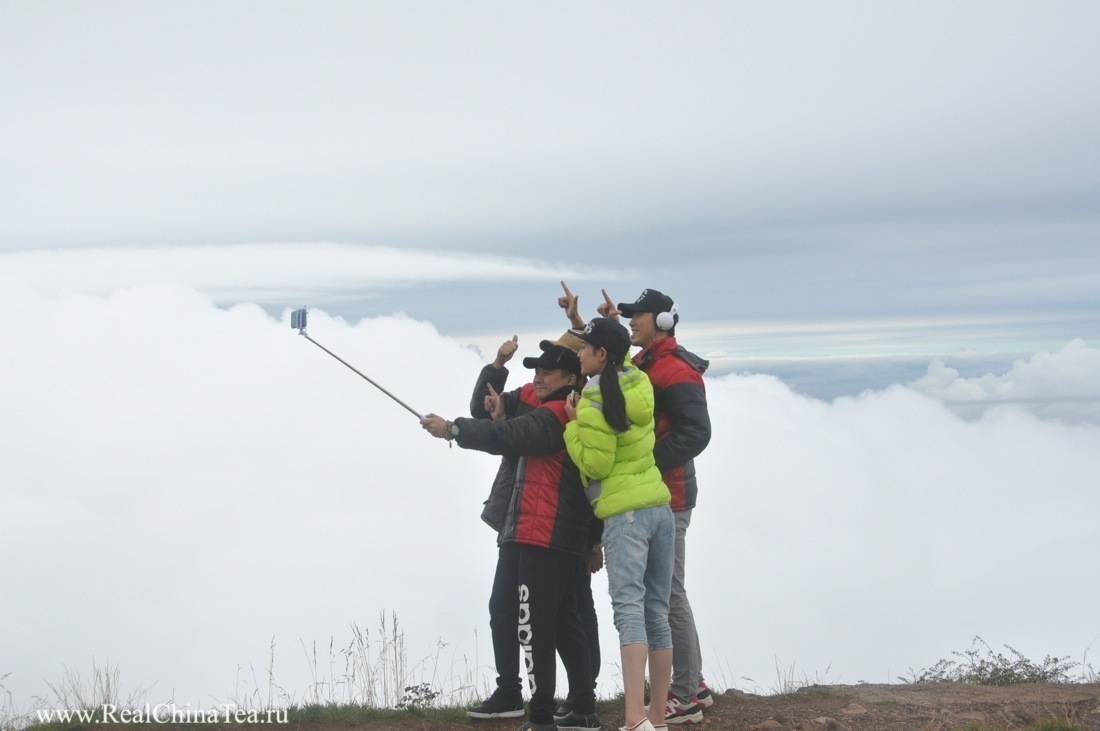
(320, 271)
(203, 480)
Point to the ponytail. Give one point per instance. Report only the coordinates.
(611, 393)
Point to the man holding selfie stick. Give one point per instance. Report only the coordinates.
(491, 401)
(548, 521)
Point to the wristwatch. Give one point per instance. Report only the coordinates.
(454, 431)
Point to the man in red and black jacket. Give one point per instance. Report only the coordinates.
(682, 432)
(491, 401)
(548, 520)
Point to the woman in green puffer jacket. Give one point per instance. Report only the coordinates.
(610, 438)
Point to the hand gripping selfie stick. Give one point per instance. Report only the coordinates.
(298, 320)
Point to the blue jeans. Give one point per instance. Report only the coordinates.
(639, 552)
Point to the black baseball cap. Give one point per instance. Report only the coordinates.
(556, 357)
(650, 300)
(608, 334)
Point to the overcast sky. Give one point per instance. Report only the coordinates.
(897, 205)
(936, 163)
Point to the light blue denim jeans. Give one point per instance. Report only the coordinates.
(639, 553)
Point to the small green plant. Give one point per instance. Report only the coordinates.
(1056, 724)
(1053, 724)
(993, 668)
(417, 697)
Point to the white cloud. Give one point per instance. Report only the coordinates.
(261, 272)
(186, 471)
(1064, 385)
(184, 483)
(869, 337)
(883, 531)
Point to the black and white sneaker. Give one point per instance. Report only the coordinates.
(574, 721)
(563, 710)
(678, 712)
(498, 705)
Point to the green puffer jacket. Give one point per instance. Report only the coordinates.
(618, 469)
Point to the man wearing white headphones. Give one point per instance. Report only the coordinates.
(683, 432)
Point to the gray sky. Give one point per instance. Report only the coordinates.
(761, 162)
(853, 196)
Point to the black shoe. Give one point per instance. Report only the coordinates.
(498, 705)
(563, 710)
(529, 726)
(574, 721)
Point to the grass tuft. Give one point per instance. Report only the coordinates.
(788, 681)
(1057, 724)
(993, 668)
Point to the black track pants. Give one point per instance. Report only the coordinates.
(586, 607)
(548, 624)
(503, 618)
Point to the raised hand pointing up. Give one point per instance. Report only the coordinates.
(494, 404)
(568, 302)
(607, 307)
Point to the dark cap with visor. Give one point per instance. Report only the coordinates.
(649, 301)
(555, 357)
(609, 335)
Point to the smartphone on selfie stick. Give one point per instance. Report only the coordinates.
(298, 320)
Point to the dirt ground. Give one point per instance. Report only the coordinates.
(924, 707)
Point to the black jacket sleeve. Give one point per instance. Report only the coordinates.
(489, 375)
(536, 432)
(685, 405)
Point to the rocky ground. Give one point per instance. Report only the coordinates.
(915, 707)
(918, 707)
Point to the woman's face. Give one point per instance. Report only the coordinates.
(592, 359)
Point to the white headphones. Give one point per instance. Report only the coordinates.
(667, 320)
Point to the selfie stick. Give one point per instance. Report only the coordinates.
(298, 320)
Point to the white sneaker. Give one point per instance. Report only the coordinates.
(643, 725)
